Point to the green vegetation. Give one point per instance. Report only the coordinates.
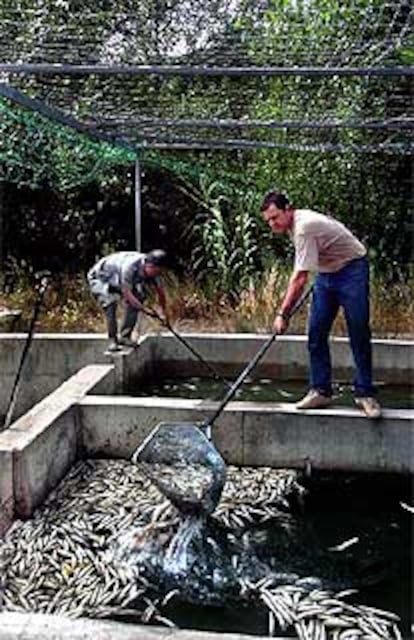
(70, 307)
(66, 199)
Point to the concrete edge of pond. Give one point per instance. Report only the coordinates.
(55, 357)
(38, 449)
(36, 626)
(258, 434)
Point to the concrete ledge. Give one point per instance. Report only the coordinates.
(37, 626)
(44, 442)
(258, 434)
(51, 359)
(334, 439)
(113, 427)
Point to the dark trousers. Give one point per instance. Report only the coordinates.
(128, 323)
(347, 288)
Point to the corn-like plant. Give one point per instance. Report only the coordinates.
(225, 247)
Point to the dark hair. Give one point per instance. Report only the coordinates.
(278, 199)
(157, 257)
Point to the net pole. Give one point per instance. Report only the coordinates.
(137, 205)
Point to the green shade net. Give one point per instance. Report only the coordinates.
(35, 150)
(177, 103)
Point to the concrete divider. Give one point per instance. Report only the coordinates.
(257, 434)
(37, 626)
(39, 448)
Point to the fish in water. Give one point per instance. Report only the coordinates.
(345, 545)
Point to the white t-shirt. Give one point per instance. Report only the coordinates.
(322, 243)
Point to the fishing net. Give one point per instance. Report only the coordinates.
(184, 465)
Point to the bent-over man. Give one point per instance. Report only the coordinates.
(127, 275)
(325, 246)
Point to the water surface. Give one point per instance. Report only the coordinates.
(265, 390)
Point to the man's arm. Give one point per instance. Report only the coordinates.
(294, 290)
(130, 298)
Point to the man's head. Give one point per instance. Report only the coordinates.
(155, 261)
(277, 212)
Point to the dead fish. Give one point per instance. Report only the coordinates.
(345, 545)
(284, 394)
(407, 507)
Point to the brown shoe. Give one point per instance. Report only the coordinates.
(370, 406)
(314, 400)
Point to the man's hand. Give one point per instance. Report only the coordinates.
(280, 325)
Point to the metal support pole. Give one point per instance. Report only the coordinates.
(2, 226)
(137, 206)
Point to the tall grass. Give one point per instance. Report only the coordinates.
(69, 306)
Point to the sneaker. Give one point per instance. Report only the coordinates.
(127, 342)
(314, 400)
(113, 347)
(370, 406)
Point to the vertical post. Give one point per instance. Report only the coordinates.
(137, 206)
(2, 225)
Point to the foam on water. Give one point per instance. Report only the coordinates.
(180, 554)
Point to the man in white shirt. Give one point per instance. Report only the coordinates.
(126, 275)
(325, 246)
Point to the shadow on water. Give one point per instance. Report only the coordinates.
(362, 532)
(237, 619)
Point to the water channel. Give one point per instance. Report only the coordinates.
(265, 390)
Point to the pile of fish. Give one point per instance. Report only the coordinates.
(319, 615)
(106, 543)
(193, 482)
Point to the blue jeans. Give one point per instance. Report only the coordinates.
(347, 288)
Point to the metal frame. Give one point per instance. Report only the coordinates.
(58, 116)
(151, 141)
(185, 70)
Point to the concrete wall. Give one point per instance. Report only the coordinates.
(39, 448)
(288, 357)
(256, 434)
(53, 358)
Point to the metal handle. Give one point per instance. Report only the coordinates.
(43, 284)
(243, 375)
(152, 313)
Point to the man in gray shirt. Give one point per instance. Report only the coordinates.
(127, 275)
(325, 246)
